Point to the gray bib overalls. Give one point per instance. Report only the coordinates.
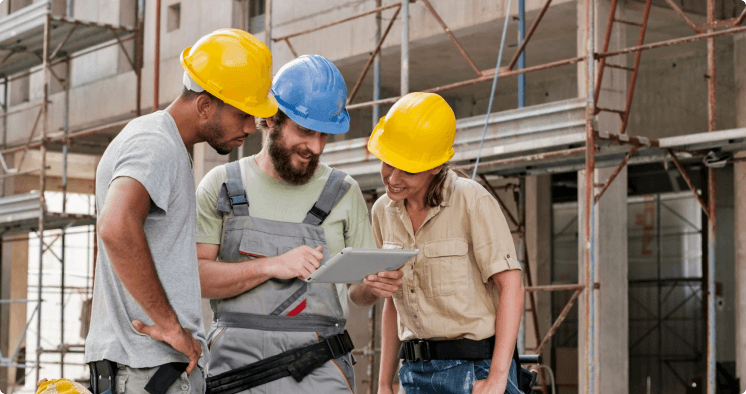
(278, 315)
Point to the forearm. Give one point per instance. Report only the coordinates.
(225, 280)
(361, 295)
(507, 320)
(390, 344)
(131, 259)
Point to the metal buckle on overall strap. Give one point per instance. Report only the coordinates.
(239, 200)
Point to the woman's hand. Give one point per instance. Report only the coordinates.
(384, 284)
(487, 386)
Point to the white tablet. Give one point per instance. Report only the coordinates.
(351, 265)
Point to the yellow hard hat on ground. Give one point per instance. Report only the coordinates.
(61, 386)
(235, 67)
(416, 134)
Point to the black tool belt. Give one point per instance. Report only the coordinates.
(460, 349)
(103, 374)
(296, 363)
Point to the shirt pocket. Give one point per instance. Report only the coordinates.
(392, 245)
(446, 267)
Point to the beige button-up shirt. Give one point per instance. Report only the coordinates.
(447, 292)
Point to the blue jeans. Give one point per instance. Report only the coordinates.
(449, 376)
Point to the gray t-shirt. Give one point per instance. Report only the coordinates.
(151, 151)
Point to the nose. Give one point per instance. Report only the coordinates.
(316, 143)
(395, 176)
(249, 126)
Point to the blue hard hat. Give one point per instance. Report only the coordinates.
(312, 92)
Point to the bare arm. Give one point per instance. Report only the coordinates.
(390, 345)
(120, 226)
(225, 280)
(508, 318)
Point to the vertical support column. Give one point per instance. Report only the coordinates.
(739, 188)
(538, 230)
(42, 186)
(405, 47)
(140, 22)
(157, 57)
(377, 70)
(66, 130)
(603, 344)
(268, 23)
(522, 257)
(522, 58)
(711, 207)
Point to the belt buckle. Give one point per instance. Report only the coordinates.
(421, 351)
(338, 340)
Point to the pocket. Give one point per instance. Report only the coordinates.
(121, 380)
(392, 245)
(215, 338)
(446, 267)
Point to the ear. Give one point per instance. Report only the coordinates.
(205, 106)
(270, 122)
(436, 170)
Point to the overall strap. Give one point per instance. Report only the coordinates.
(232, 194)
(333, 191)
(300, 323)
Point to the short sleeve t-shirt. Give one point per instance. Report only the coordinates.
(348, 224)
(150, 150)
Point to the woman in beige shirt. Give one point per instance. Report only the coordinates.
(455, 319)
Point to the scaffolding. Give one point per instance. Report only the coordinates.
(576, 144)
(34, 39)
(548, 138)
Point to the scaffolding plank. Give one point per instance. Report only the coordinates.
(19, 214)
(22, 36)
(535, 130)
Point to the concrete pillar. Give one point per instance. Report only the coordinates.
(539, 248)
(739, 187)
(13, 285)
(611, 333)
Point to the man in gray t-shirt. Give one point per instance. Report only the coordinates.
(146, 315)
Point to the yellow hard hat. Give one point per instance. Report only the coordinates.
(61, 386)
(416, 134)
(235, 67)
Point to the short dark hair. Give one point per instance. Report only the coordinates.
(190, 95)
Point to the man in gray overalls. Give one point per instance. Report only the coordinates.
(267, 221)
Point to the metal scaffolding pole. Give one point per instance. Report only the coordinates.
(711, 207)
(522, 58)
(42, 183)
(157, 57)
(66, 130)
(589, 206)
(405, 47)
(377, 71)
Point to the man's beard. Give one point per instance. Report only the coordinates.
(280, 156)
(213, 133)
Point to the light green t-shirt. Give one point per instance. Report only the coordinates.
(348, 224)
